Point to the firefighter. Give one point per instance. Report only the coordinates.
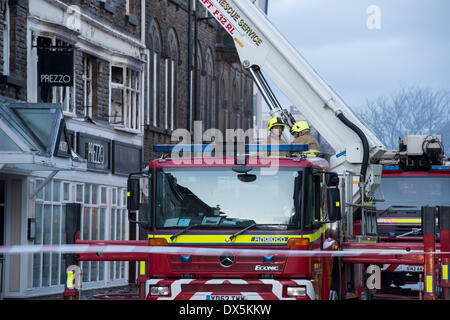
(302, 135)
(275, 128)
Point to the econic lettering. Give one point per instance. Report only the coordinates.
(267, 268)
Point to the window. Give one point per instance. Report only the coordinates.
(153, 112)
(171, 80)
(236, 92)
(93, 224)
(6, 40)
(104, 216)
(87, 85)
(224, 100)
(125, 98)
(118, 228)
(218, 196)
(117, 103)
(49, 211)
(131, 7)
(210, 90)
(133, 87)
(196, 102)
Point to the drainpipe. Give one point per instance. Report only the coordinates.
(189, 67)
(195, 100)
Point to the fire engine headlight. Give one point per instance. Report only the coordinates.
(159, 290)
(299, 291)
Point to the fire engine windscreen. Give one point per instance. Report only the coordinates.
(216, 197)
(414, 192)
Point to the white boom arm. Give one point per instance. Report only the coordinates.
(261, 45)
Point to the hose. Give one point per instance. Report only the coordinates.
(364, 141)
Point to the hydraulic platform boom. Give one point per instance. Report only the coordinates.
(262, 48)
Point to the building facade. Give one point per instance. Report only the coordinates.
(214, 89)
(103, 119)
(132, 86)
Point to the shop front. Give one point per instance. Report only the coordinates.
(46, 164)
(33, 138)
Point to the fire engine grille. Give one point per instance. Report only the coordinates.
(226, 287)
(206, 259)
(211, 263)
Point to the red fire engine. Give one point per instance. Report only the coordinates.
(414, 176)
(251, 227)
(227, 207)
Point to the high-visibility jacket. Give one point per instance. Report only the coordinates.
(274, 140)
(314, 147)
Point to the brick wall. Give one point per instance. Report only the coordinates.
(13, 86)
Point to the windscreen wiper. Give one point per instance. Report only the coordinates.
(254, 225)
(187, 229)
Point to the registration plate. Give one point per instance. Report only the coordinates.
(414, 268)
(225, 297)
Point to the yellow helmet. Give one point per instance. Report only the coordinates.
(299, 126)
(275, 121)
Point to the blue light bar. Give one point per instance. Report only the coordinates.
(248, 147)
(182, 147)
(440, 167)
(277, 147)
(396, 168)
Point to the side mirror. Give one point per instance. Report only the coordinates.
(133, 192)
(247, 177)
(334, 204)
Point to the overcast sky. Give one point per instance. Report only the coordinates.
(411, 48)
